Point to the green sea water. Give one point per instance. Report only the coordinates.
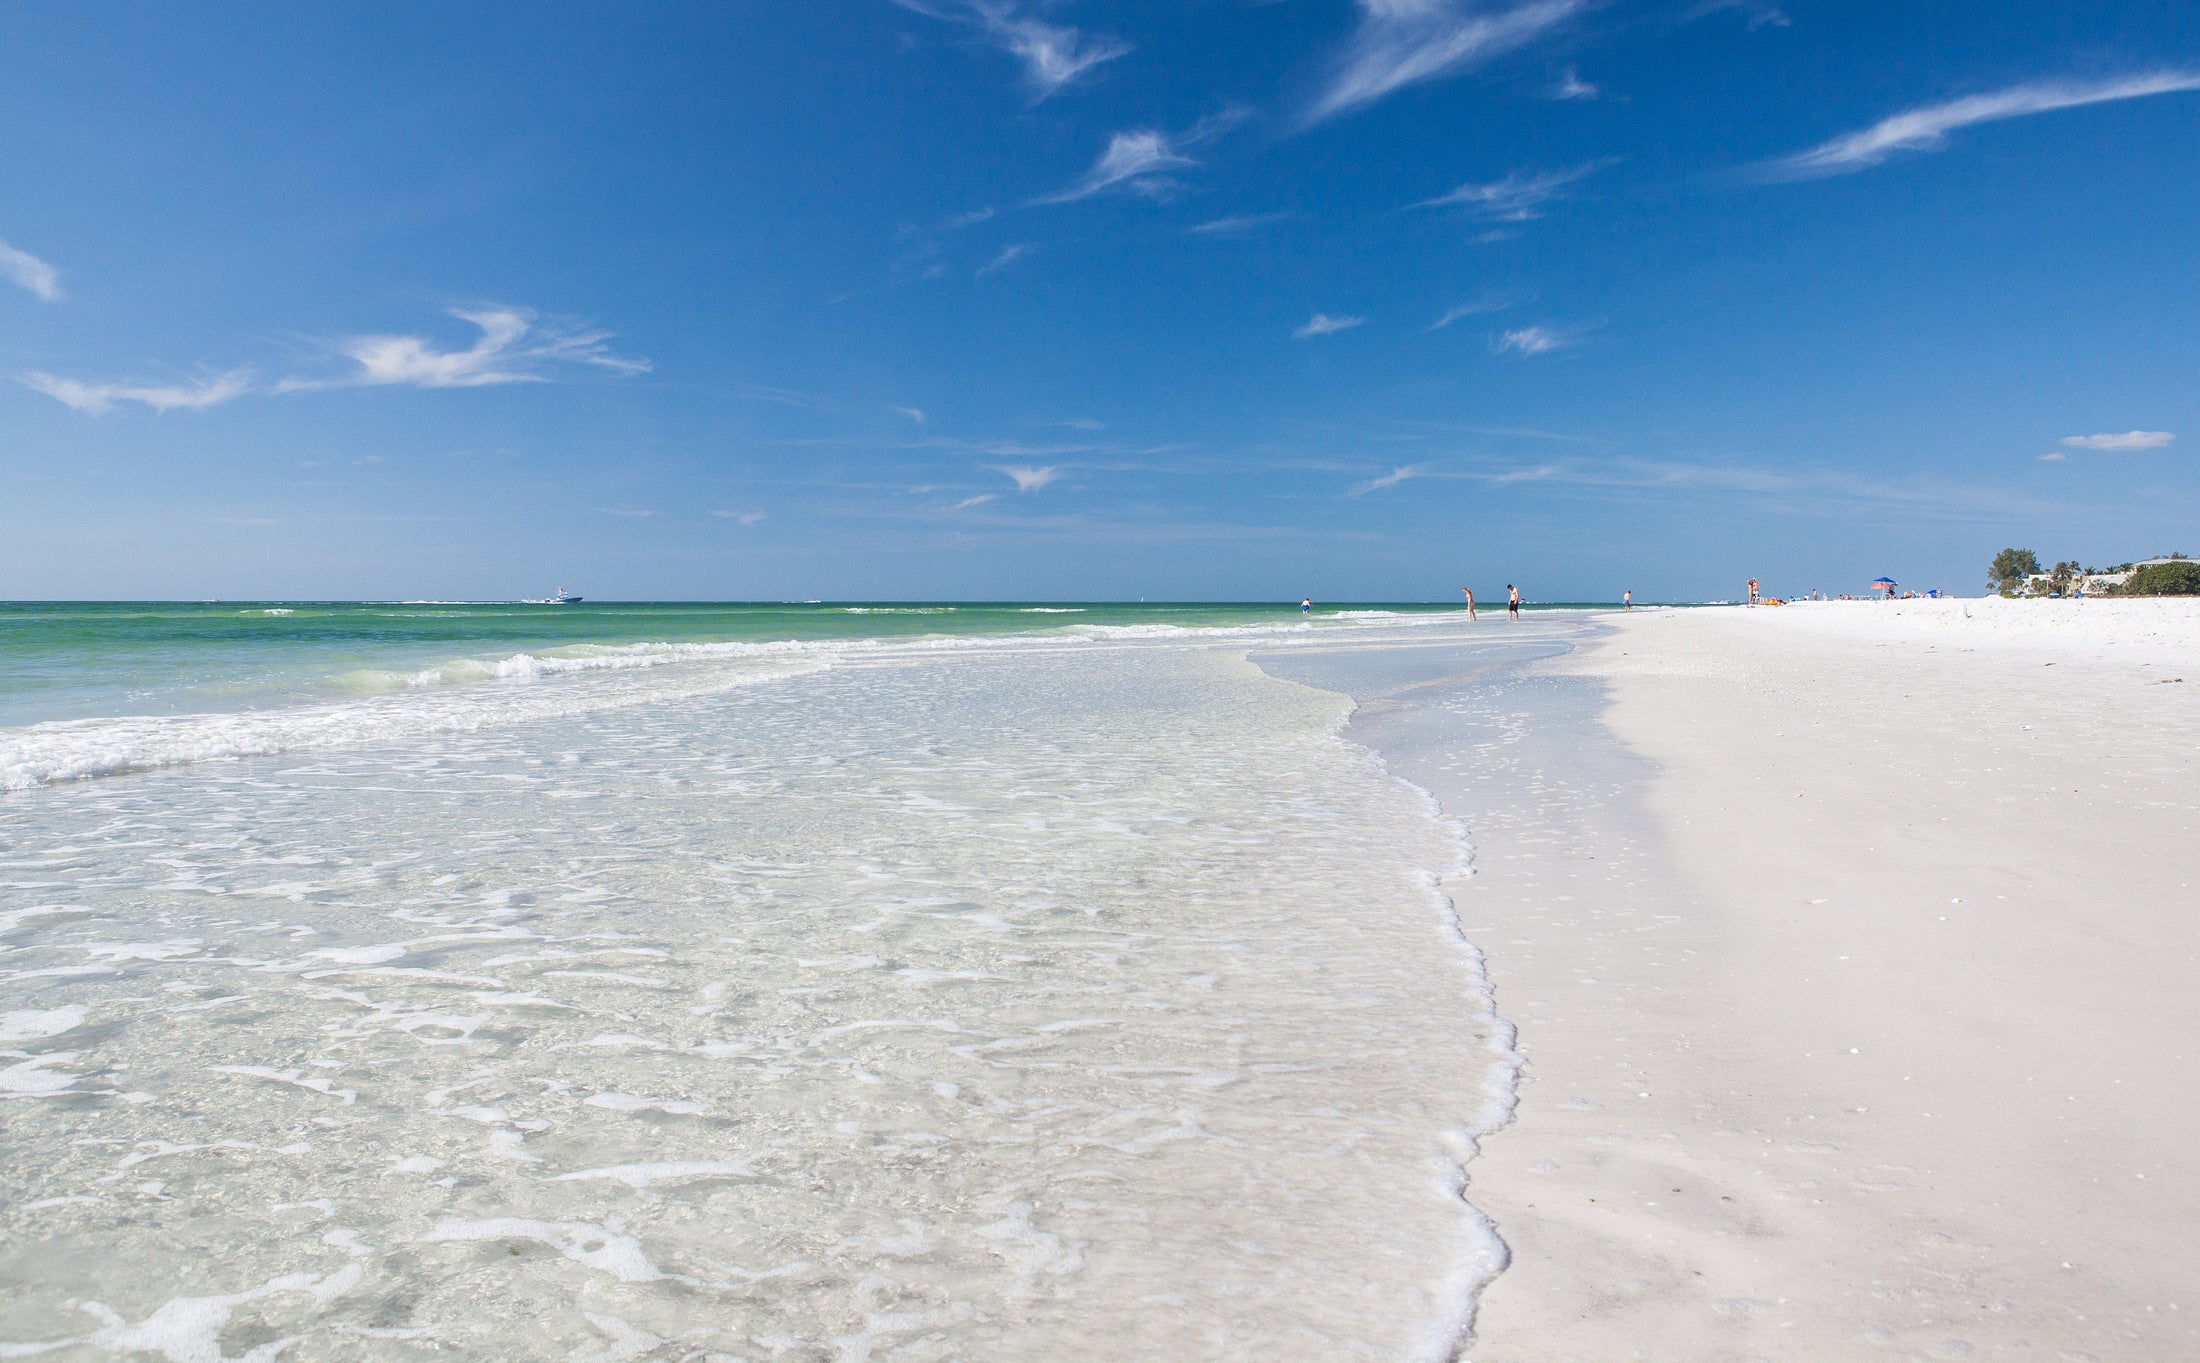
(86, 660)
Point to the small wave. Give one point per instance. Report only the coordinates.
(893, 610)
(1050, 610)
(72, 750)
(272, 610)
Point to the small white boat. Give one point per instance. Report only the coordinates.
(563, 598)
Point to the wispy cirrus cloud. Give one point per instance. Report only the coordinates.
(1403, 42)
(2127, 440)
(1391, 479)
(34, 276)
(1138, 162)
(1478, 307)
(1029, 478)
(915, 414)
(514, 347)
(1534, 341)
(1053, 55)
(1008, 256)
(740, 518)
(1572, 86)
(96, 398)
(1322, 324)
(1236, 225)
(1927, 128)
(980, 500)
(1516, 197)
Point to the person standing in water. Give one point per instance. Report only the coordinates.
(1470, 601)
(1512, 601)
(1306, 605)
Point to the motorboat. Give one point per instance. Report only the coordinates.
(562, 598)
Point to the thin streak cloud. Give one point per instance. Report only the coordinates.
(1054, 55)
(1236, 225)
(1135, 161)
(512, 347)
(1390, 479)
(1404, 42)
(1477, 308)
(34, 276)
(1009, 256)
(1534, 341)
(1322, 324)
(96, 398)
(2127, 440)
(1927, 128)
(1515, 198)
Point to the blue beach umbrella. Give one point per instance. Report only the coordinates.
(1883, 584)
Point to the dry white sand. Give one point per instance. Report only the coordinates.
(1877, 1036)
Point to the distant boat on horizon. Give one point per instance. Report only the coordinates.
(562, 598)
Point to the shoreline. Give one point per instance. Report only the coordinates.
(1783, 1098)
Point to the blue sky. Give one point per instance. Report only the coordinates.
(1014, 299)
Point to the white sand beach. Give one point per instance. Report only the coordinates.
(1855, 979)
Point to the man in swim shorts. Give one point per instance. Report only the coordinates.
(1470, 601)
(1512, 601)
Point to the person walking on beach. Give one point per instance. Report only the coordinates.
(1512, 601)
(1753, 591)
(1627, 600)
(1470, 601)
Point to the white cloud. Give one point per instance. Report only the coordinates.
(95, 398)
(1322, 324)
(915, 414)
(42, 281)
(1236, 225)
(1009, 255)
(1029, 479)
(1477, 308)
(739, 517)
(512, 346)
(2053, 457)
(2128, 440)
(1925, 129)
(1533, 341)
(1516, 198)
(1572, 86)
(1137, 161)
(980, 500)
(1053, 55)
(1390, 479)
(1404, 42)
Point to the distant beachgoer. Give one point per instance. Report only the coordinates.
(1512, 601)
(1469, 591)
(1627, 601)
(1753, 591)
(1306, 605)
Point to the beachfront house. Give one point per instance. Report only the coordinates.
(2092, 583)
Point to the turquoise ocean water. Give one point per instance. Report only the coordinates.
(811, 982)
(83, 660)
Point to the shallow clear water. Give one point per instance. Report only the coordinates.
(1025, 997)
